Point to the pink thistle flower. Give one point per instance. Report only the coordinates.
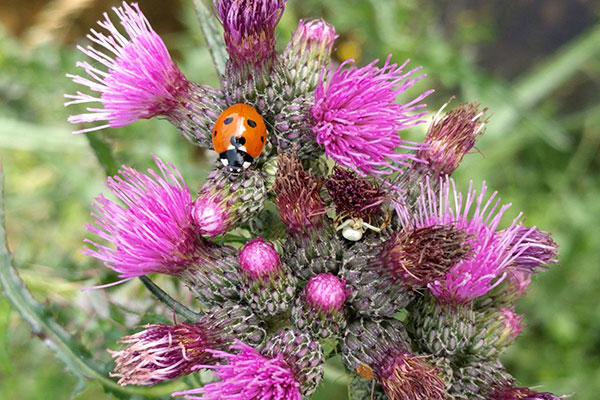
(152, 233)
(248, 375)
(535, 248)
(356, 119)
(490, 252)
(250, 28)
(210, 215)
(508, 392)
(140, 79)
(326, 292)
(259, 260)
(161, 352)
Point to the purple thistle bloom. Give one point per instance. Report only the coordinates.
(356, 119)
(161, 352)
(139, 79)
(250, 28)
(258, 259)
(248, 375)
(508, 392)
(490, 251)
(313, 36)
(326, 292)
(153, 232)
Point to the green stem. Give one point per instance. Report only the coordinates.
(212, 35)
(167, 300)
(54, 336)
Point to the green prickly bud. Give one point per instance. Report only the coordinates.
(238, 321)
(313, 251)
(440, 329)
(197, 113)
(302, 354)
(293, 124)
(495, 332)
(213, 278)
(373, 293)
(267, 286)
(475, 380)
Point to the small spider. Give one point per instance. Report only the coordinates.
(355, 227)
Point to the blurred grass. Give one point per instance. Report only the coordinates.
(540, 152)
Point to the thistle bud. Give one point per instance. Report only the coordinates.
(227, 200)
(373, 291)
(440, 329)
(508, 392)
(267, 285)
(320, 307)
(475, 380)
(302, 354)
(496, 332)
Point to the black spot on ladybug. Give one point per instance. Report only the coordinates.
(251, 123)
(262, 139)
(242, 141)
(215, 134)
(228, 120)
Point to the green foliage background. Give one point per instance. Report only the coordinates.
(541, 152)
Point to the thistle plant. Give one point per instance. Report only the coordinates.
(382, 259)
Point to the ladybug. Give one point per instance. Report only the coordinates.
(239, 136)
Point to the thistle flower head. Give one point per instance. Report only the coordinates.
(354, 196)
(511, 322)
(162, 352)
(326, 292)
(152, 232)
(258, 259)
(450, 137)
(490, 252)
(423, 255)
(356, 118)
(210, 215)
(405, 376)
(138, 78)
(298, 194)
(249, 375)
(535, 249)
(250, 28)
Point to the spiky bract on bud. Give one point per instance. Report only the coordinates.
(489, 255)
(269, 287)
(449, 138)
(423, 255)
(356, 118)
(247, 374)
(441, 329)
(303, 354)
(153, 232)
(320, 308)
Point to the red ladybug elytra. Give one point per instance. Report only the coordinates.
(239, 136)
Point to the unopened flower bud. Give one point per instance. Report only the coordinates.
(320, 307)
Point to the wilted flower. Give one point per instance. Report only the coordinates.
(535, 250)
(449, 138)
(356, 118)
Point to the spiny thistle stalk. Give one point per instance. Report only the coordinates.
(350, 250)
